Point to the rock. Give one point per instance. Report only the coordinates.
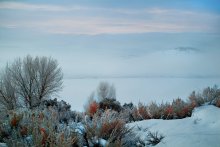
(3, 145)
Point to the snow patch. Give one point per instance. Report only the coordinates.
(200, 130)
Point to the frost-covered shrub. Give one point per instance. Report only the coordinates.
(179, 108)
(92, 108)
(168, 112)
(128, 106)
(218, 103)
(110, 104)
(59, 105)
(135, 116)
(155, 111)
(143, 111)
(196, 99)
(107, 126)
(153, 138)
(64, 113)
(37, 128)
(127, 115)
(139, 113)
(209, 95)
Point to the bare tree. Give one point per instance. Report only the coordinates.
(8, 98)
(35, 79)
(105, 90)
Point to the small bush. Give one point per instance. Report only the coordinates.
(155, 111)
(93, 108)
(218, 103)
(143, 111)
(209, 95)
(196, 99)
(107, 126)
(168, 113)
(153, 138)
(110, 104)
(36, 128)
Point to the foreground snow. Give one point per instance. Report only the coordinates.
(200, 130)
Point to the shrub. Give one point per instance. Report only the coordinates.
(93, 108)
(110, 104)
(112, 130)
(36, 128)
(209, 95)
(218, 103)
(128, 106)
(153, 138)
(143, 111)
(196, 99)
(168, 112)
(135, 116)
(155, 111)
(107, 126)
(127, 115)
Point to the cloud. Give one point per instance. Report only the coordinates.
(36, 7)
(99, 20)
(187, 49)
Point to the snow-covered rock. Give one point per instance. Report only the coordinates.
(3, 145)
(200, 130)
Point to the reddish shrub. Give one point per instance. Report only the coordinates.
(44, 135)
(15, 120)
(107, 128)
(23, 131)
(93, 107)
(188, 110)
(41, 116)
(142, 110)
(168, 114)
(218, 103)
(193, 104)
(169, 110)
(183, 113)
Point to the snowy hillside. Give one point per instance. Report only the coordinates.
(200, 130)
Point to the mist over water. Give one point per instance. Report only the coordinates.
(145, 90)
(143, 67)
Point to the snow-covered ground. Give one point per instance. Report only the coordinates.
(200, 130)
